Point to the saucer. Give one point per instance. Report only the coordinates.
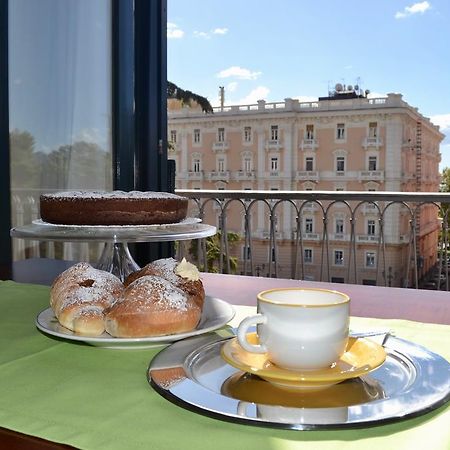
(253, 389)
(361, 357)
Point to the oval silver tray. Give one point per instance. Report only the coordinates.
(192, 374)
(189, 228)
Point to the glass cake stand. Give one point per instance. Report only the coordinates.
(116, 257)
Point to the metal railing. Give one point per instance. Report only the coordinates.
(410, 242)
(406, 245)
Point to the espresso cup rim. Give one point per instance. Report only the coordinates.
(345, 297)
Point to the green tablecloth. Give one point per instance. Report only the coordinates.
(99, 399)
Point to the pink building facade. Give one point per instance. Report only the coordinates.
(345, 142)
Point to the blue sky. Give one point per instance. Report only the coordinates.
(262, 49)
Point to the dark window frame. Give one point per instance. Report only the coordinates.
(139, 113)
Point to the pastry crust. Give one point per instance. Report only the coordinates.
(165, 268)
(152, 306)
(80, 295)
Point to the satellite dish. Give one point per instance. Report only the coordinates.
(356, 87)
(367, 92)
(350, 87)
(339, 87)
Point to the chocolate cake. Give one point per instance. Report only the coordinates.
(112, 208)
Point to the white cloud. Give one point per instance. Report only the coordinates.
(220, 31)
(201, 34)
(259, 93)
(306, 98)
(231, 87)
(91, 135)
(173, 32)
(415, 8)
(238, 72)
(375, 95)
(443, 120)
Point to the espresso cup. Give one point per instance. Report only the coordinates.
(299, 328)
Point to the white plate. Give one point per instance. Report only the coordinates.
(186, 221)
(216, 313)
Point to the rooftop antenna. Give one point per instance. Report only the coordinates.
(222, 97)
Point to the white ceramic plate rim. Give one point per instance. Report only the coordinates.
(216, 314)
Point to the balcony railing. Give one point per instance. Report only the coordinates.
(371, 175)
(219, 147)
(401, 243)
(309, 144)
(404, 230)
(274, 145)
(307, 175)
(221, 175)
(370, 142)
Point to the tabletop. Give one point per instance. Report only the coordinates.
(58, 394)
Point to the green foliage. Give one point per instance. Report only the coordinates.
(214, 252)
(23, 161)
(173, 91)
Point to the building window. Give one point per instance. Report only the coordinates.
(339, 226)
(370, 259)
(309, 225)
(274, 163)
(309, 164)
(371, 229)
(274, 132)
(221, 165)
(309, 132)
(372, 163)
(196, 136)
(247, 164)
(196, 167)
(340, 164)
(247, 134)
(308, 255)
(373, 129)
(173, 136)
(338, 258)
(221, 135)
(340, 131)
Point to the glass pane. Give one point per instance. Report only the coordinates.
(60, 107)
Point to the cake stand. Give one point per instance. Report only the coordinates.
(116, 257)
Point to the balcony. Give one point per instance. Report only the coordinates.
(372, 142)
(195, 175)
(367, 238)
(242, 175)
(307, 175)
(220, 147)
(288, 246)
(371, 175)
(309, 145)
(273, 145)
(223, 175)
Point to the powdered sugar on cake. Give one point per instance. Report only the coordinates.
(121, 195)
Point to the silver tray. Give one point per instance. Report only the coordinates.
(189, 228)
(192, 374)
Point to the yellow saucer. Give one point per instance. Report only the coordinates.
(361, 357)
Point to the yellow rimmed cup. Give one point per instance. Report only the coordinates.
(299, 328)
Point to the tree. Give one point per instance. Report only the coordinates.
(173, 91)
(23, 165)
(214, 252)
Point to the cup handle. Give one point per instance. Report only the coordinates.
(242, 333)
